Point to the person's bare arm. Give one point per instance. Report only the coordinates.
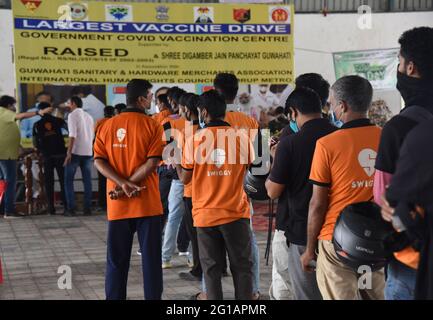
(25, 115)
(144, 170)
(184, 175)
(316, 217)
(274, 189)
(69, 152)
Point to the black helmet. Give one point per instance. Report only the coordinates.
(361, 236)
(254, 186)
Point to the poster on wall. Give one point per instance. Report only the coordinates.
(78, 43)
(378, 66)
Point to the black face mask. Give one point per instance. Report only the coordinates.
(415, 91)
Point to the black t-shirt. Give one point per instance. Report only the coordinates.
(393, 135)
(412, 183)
(291, 167)
(47, 136)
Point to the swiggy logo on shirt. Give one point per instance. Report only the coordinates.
(218, 158)
(366, 159)
(121, 134)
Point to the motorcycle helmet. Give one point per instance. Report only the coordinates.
(254, 186)
(361, 235)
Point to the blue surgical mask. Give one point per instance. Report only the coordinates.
(294, 126)
(334, 121)
(201, 122)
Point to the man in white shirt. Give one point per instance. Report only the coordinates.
(91, 104)
(80, 151)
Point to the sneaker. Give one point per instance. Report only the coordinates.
(190, 263)
(167, 265)
(184, 253)
(188, 276)
(139, 252)
(12, 215)
(257, 296)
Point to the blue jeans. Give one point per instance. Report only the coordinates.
(176, 211)
(119, 246)
(255, 257)
(85, 164)
(8, 172)
(400, 282)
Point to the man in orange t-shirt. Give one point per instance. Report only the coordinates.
(216, 159)
(127, 151)
(164, 109)
(342, 173)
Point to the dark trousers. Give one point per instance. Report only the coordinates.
(182, 237)
(119, 246)
(192, 233)
(235, 237)
(102, 191)
(51, 164)
(165, 177)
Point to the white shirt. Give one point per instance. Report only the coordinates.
(81, 127)
(94, 107)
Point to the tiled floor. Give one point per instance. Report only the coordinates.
(33, 248)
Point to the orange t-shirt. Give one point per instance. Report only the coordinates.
(239, 120)
(344, 162)
(218, 165)
(187, 189)
(161, 116)
(99, 124)
(127, 141)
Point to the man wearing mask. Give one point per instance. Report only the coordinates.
(412, 187)
(128, 149)
(289, 182)
(342, 174)
(415, 83)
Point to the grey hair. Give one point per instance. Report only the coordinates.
(356, 91)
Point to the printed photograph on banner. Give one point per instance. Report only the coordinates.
(58, 95)
(242, 15)
(203, 14)
(31, 5)
(200, 88)
(117, 13)
(79, 11)
(162, 13)
(279, 14)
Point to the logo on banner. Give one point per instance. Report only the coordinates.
(203, 15)
(118, 12)
(31, 5)
(162, 12)
(78, 11)
(242, 15)
(279, 15)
